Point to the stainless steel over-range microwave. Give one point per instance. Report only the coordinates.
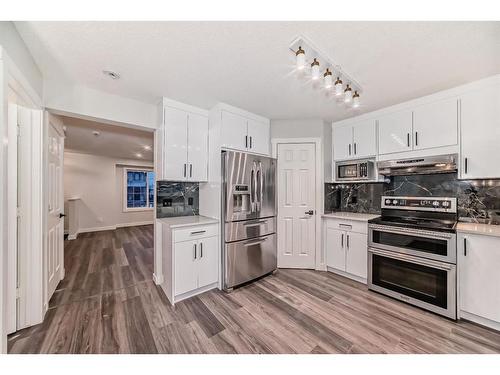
(355, 170)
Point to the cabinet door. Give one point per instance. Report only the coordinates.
(258, 137)
(335, 244)
(364, 139)
(395, 132)
(479, 279)
(208, 261)
(480, 133)
(357, 254)
(197, 147)
(185, 267)
(175, 166)
(234, 131)
(342, 142)
(436, 124)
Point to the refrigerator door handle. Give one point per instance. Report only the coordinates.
(252, 190)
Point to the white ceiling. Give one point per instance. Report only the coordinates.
(249, 65)
(113, 141)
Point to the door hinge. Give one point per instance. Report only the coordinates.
(18, 212)
(18, 293)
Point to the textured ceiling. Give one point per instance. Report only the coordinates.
(113, 141)
(249, 65)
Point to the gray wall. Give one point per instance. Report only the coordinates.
(12, 42)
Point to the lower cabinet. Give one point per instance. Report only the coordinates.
(347, 252)
(479, 278)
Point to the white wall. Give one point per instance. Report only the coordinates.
(98, 181)
(20, 55)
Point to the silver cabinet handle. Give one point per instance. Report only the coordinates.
(342, 240)
(416, 138)
(408, 139)
(347, 241)
(349, 149)
(466, 165)
(465, 247)
(185, 168)
(250, 141)
(246, 141)
(201, 249)
(194, 251)
(347, 226)
(198, 232)
(355, 148)
(190, 170)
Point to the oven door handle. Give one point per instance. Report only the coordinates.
(412, 259)
(411, 232)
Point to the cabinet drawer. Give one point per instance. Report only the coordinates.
(195, 232)
(347, 225)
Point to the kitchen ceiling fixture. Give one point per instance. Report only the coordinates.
(111, 74)
(147, 147)
(139, 155)
(347, 90)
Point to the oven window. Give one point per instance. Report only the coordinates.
(424, 283)
(427, 245)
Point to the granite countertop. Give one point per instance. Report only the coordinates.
(350, 216)
(187, 221)
(483, 229)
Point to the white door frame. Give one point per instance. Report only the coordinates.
(319, 189)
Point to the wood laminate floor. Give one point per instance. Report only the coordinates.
(108, 304)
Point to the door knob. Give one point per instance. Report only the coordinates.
(310, 212)
(61, 215)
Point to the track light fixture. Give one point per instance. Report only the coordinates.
(347, 94)
(355, 100)
(327, 77)
(300, 56)
(338, 87)
(315, 69)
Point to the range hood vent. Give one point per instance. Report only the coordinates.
(424, 165)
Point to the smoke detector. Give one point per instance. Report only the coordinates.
(111, 74)
(96, 133)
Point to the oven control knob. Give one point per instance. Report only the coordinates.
(387, 201)
(395, 201)
(435, 203)
(446, 204)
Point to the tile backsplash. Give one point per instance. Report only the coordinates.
(177, 199)
(477, 199)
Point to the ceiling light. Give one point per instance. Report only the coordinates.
(355, 100)
(111, 74)
(147, 147)
(315, 69)
(338, 87)
(300, 57)
(328, 79)
(139, 155)
(96, 133)
(347, 94)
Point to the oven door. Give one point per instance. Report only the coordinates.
(424, 283)
(439, 246)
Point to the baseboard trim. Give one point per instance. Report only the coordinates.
(480, 320)
(72, 236)
(348, 275)
(110, 227)
(136, 224)
(158, 279)
(96, 229)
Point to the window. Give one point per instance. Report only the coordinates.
(139, 189)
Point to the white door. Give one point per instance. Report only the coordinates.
(185, 266)
(258, 137)
(208, 261)
(442, 115)
(175, 166)
(479, 279)
(335, 248)
(296, 198)
(480, 133)
(395, 132)
(342, 142)
(234, 131)
(54, 255)
(197, 147)
(364, 139)
(357, 254)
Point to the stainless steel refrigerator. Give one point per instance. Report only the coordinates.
(249, 212)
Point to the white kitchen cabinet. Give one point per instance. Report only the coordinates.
(355, 141)
(347, 250)
(480, 133)
(395, 132)
(190, 257)
(258, 137)
(175, 144)
(479, 278)
(234, 131)
(185, 146)
(435, 124)
(241, 133)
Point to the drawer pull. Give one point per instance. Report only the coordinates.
(254, 242)
(347, 226)
(198, 232)
(255, 223)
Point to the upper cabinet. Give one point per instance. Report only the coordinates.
(480, 133)
(239, 132)
(185, 146)
(395, 132)
(355, 140)
(436, 124)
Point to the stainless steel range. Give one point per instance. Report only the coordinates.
(412, 252)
